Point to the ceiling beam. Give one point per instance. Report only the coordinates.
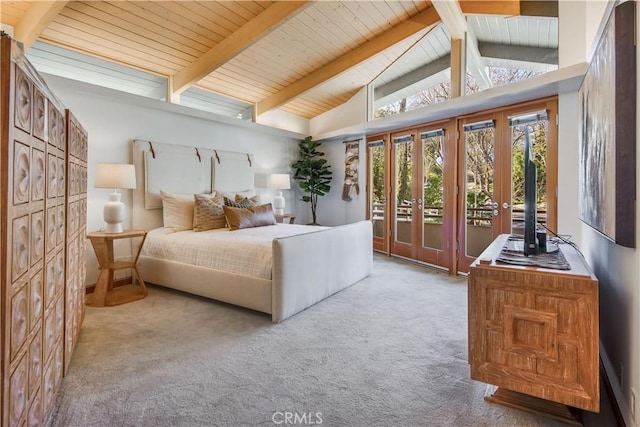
(413, 77)
(250, 33)
(541, 55)
(35, 20)
(546, 8)
(497, 7)
(456, 23)
(349, 60)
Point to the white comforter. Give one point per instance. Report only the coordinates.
(247, 251)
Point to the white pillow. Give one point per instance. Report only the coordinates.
(177, 211)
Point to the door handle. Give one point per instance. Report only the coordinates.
(506, 205)
(495, 205)
(496, 212)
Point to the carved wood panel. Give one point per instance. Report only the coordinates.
(39, 114)
(535, 331)
(23, 102)
(60, 227)
(19, 320)
(21, 173)
(52, 223)
(76, 232)
(35, 363)
(54, 132)
(36, 299)
(39, 178)
(18, 393)
(20, 246)
(37, 175)
(35, 412)
(52, 176)
(37, 237)
(50, 282)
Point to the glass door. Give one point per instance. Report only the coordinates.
(538, 122)
(479, 189)
(436, 196)
(377, 189)
(404, 203)
(491, 180)
(422, 195)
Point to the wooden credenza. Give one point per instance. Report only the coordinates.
(534, 331)
(43, 200)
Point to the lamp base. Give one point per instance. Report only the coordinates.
(114, 228)
(278, 204)
(114, 214)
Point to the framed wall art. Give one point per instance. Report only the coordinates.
(607, 146)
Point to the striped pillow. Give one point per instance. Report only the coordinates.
(208, 213)
(242, 203)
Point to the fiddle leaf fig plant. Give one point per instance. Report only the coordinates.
(313, 173)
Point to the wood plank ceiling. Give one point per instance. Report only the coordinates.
(301, 57)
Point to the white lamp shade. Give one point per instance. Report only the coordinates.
(115, 175)
(280, 181)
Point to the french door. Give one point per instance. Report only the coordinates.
(442, 192)
(377, 174)
(491, 175)
(411, 178)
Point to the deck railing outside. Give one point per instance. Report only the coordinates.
(475, 216)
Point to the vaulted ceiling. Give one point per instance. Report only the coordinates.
(303, 57)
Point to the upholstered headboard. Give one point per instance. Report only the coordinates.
(185, 170)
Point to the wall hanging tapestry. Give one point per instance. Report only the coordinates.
(351, 157)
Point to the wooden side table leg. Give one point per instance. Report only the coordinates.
(140, 281)
(99, 295)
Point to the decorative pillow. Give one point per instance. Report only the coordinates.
(251, 201)
(177, 211)
(256, 216)
(208, 212)
(243, 203)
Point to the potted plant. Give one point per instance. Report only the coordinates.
(312, 173)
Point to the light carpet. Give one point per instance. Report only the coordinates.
(388, 351)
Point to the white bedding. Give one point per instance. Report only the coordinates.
(247, 251)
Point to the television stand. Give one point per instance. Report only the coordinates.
(535, 330)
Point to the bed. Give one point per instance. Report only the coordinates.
(295, 266)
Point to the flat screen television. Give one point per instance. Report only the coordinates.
(531, 244)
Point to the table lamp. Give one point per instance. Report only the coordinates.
(279, 181)
(115, 176)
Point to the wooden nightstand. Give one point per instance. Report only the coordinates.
(291, 218)
(104, 293)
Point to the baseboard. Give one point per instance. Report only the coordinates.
(613, 390)
(116, 283)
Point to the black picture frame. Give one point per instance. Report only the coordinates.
(607, 137)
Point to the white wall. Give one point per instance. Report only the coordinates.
(568, 222)
(352, 112)
(114, 118)
(283, 120)
(332, 210)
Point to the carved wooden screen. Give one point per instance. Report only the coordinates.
(76, 231)
(33, 240)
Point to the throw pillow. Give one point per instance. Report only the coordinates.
(251, 201)
(208, 213)
(177, 211)
(255, 216)
(243, 203)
